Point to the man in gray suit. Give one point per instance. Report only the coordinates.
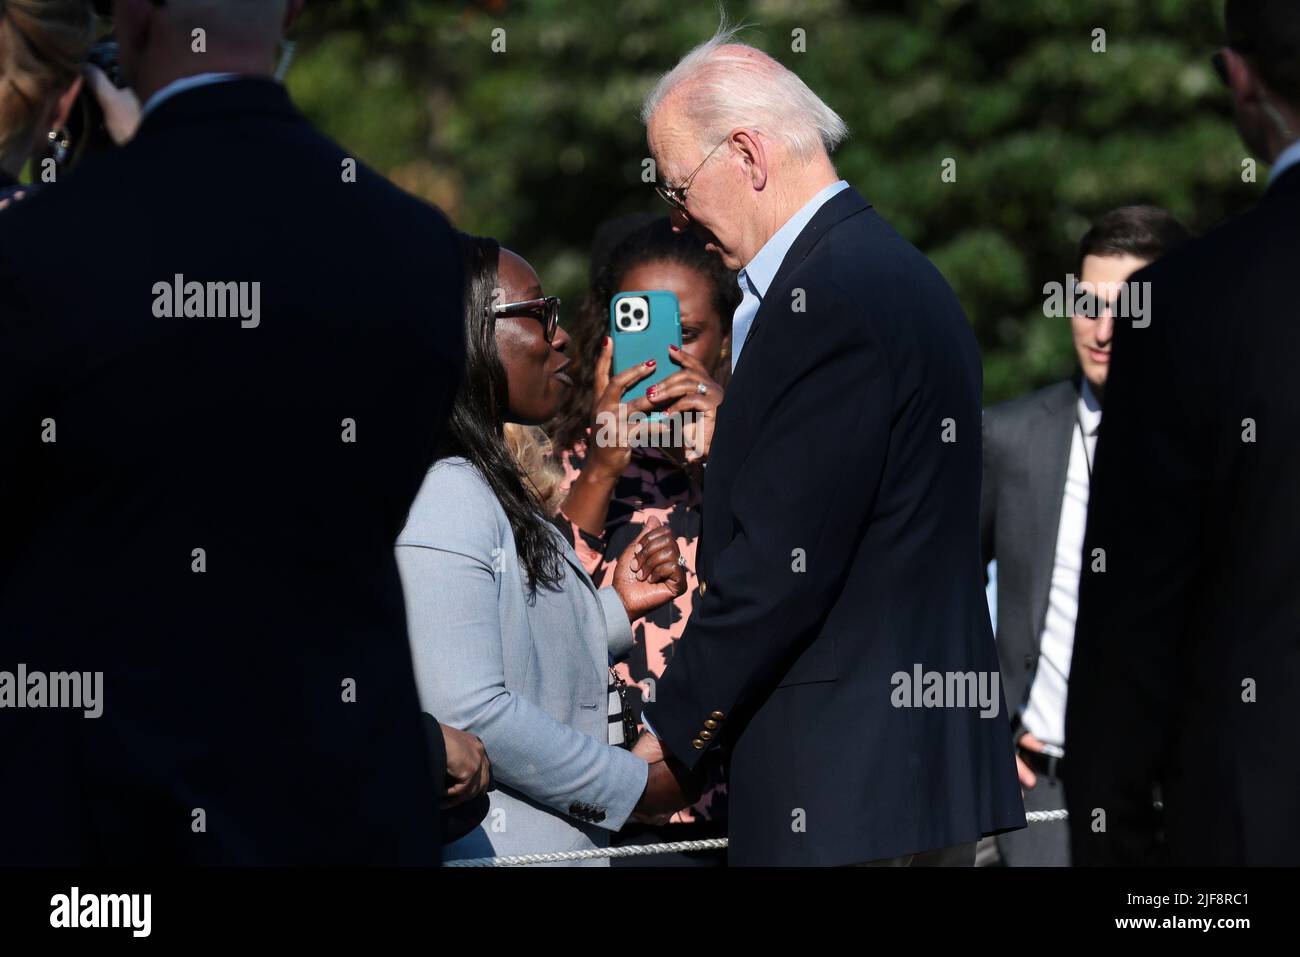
(1038, 453)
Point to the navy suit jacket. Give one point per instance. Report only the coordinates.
(841, 548)
(1186, 665)
(273, 691)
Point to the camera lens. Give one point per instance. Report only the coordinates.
(638, 313)
(624, 306)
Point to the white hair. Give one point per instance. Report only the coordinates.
(725, 84)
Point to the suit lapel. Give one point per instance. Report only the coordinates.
(1051, 460)
(839, 207)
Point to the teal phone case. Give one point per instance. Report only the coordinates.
(636, 345)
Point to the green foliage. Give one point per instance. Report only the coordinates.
(540, 143)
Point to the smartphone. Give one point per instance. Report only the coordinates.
(643, 325)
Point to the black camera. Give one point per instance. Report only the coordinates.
(87, 133)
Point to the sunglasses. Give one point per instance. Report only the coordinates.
(545, 310)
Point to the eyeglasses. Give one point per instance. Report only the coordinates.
(545, 310)
(675, 196)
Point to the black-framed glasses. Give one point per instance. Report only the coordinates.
(675, 196)
(545, 310)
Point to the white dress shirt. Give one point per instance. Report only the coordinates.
(1044, 716)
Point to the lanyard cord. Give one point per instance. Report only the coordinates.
(1083, 436)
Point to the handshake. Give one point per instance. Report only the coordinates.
(669, 786)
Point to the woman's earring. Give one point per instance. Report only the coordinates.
(60, 143)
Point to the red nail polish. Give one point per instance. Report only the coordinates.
(650, 363)
(671, 347)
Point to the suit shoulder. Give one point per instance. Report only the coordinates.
(865, 249)
(455, 509)
(1026, 408)
(1248, 239)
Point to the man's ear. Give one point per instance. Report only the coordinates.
(292, 12)
(63, 105)
(750, 147)
(1241, 76)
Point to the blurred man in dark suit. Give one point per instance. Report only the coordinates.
(226, 355)
(1186, 669)
(1038, 452)
(839, 560)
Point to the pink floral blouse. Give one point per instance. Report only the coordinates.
(653, 485)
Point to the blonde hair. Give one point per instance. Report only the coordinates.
(43, 44)
(531, 449)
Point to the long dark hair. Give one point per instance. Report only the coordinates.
(650, 242)
(476, 429)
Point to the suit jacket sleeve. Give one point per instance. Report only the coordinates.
(437, 752)
(1146, 504)
(452, 612)
(809, 480)
(618, 627)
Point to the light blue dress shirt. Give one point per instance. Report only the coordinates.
(758, 274)
(186, 83)
(755, 279)
(1285, 160)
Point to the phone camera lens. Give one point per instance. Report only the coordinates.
(638, 313)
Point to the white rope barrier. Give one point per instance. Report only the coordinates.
(633, 850)
(672, 847)
(1042, 817)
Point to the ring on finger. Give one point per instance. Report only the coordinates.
(701, 388)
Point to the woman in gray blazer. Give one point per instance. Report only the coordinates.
(511, 640)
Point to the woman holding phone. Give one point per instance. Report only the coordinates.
(615, 489)
(511, 638)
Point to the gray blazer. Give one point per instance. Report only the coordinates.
(1026, 456)
(528, 676)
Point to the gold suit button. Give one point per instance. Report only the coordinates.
(711, 724)
(697, 744)
(706, 735)
(704, 586)
(717, 715)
